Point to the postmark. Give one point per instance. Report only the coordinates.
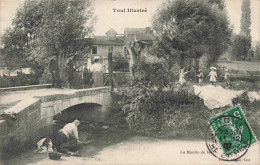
(229, 135)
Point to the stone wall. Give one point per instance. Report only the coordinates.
(35, 115)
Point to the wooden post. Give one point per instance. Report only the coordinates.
(110, 71)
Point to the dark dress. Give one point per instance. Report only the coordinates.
(54, 69)
(70, 72)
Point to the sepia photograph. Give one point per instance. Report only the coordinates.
(129, 82)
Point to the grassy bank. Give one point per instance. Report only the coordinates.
(177, 115)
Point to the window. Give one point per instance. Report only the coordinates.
(110, 49)
(94, 50)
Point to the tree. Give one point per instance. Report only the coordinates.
(240, 46)
(51, 28)
(245, 22)
(257, 50)
(188, 29)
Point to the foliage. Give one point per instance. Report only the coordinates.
(43, 28)
(245, 21)
(257, 50)
(244, 85)
(189, 29)
(148, 110)
(242, 99)
(19, 80)
(151, 74)
(240, 46)
(177, 114)
(120, 62)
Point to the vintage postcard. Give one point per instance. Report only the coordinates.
(129, 82)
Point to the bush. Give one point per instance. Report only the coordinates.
(46, 77)
(19, 80)
(151, 111)
(120, 63)
(243, 85)
(178, 114)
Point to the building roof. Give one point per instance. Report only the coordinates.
(138, 34)
(134, 30)
(144, 36)
(111, 31)
(101, 40)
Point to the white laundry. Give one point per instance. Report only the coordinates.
(216, 96)
(253, 96)
(44, 149)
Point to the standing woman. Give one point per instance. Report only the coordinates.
(97, 76)
(213, 75)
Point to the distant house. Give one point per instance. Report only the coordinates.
(102, 45)
(117, 43)
(138, 34)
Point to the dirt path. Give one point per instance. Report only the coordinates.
(138, 150)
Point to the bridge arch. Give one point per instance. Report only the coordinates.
(35, 115)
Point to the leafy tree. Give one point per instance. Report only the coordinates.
(245, 22)
(46, 28)
(240, 46)
(189, 29)
(257, 51)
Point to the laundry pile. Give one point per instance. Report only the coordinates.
(217, 96)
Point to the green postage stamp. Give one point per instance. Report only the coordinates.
(231, 135)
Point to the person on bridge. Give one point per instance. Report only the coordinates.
(97, 76)
(67, 139)
(70, 68)
(54, 69)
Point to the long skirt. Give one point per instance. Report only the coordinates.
(98, 79)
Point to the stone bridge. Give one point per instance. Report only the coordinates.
(35, 112)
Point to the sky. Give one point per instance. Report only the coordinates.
(107, 17)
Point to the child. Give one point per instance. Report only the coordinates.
(182, 80)
(227, 78)
(200, 76)
(213, 75)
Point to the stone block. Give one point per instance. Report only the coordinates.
(81, 99)
(67, 96)
(65, 104)
(106, 101)
(87, 99)
(47, 112)
(57, 102)
(53, 97)
(3, 127)
(49, 121)
(74, 101)
(94, 99)
(57, 108)
(47, 104)
(34, 116)
(101, 100)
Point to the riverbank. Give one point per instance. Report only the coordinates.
(138, 150)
